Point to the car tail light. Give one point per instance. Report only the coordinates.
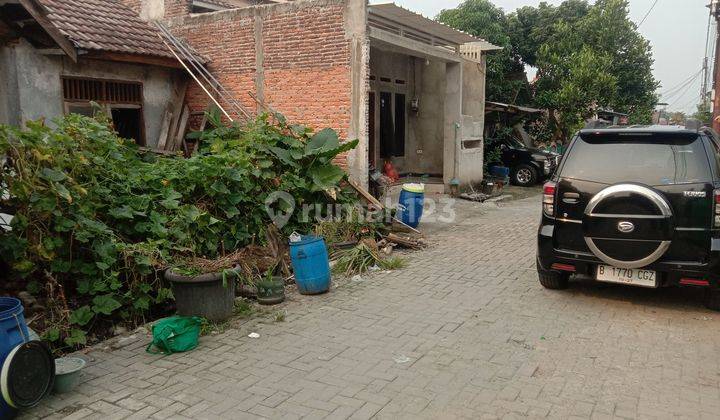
(549, 198)
(694, 282)
(717, 208)
(563, 267)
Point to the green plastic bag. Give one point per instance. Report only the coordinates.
(175, 334)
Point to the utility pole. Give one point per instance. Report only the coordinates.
(706, 71)
(704, 88)
(715, 13)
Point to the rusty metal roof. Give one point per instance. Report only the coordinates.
(104, 25)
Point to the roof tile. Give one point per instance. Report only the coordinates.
(104, 25)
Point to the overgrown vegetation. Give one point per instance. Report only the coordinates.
(96, 220)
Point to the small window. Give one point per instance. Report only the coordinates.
(121, 100)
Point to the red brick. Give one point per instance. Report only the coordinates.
(306, 65)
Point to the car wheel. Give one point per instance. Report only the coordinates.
(553, 279)
(524, 176)
(712, 299)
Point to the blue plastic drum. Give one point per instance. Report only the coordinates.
(13, 331)
(410, 206)
(311, 265)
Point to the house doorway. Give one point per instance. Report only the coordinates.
(371, 130)
(128, 122)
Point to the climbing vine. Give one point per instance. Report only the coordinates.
(95, 219)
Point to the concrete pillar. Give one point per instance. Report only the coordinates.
(453, 119)
(356, 32)
(10, 112)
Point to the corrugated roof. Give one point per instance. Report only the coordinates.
(393, 12)
(496, 106)
(104, 25)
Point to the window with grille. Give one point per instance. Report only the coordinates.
(120, 100)
(100, 91)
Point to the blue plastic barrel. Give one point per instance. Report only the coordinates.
(311, 265)
(410, 207)
(13, 331)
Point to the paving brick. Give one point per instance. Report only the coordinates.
(483, 338)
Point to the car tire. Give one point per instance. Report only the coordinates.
(712, 299)
(553, 280)
(524, 176)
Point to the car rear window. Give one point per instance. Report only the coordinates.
(645, 159)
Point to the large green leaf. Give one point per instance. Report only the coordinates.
(220, 187)
(52, 175)
(326, 176)
(105, 304)
(63, 192)
(284, 156)
(124, 212)
(82, 315)
(76, 337)
(345, 147)
(324, 140)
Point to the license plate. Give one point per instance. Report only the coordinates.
(634, 276)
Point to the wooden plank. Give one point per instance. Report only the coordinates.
(39, 14)
(182, 127)
(367, 196)
(134, 58)
(177, 101)
(399, 226)
(164, 130)
(404, 241)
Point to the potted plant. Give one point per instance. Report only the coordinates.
(270, 288)
(208, 292)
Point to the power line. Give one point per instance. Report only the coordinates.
(678, 98)
(648, 13)
(681, 84)
(687, 85)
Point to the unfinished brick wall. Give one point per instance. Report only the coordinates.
(229, 45)
(303, 67)
(175, 8)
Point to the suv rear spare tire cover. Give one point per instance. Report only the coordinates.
(617, 228)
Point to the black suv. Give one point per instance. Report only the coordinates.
(637, 206)
(528, 165)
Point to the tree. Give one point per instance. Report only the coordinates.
(703, 113)
(531, 27)
(574, 85)
(607, 31)
(506, 79)
(588, 57)
(674, 118)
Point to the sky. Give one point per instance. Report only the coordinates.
(676, 29)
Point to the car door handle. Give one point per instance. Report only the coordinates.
(571, 198)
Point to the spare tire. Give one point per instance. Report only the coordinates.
(628, 225)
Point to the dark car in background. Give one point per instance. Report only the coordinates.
(528, 165)
(637, 206)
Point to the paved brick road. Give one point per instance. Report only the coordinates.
(464, 332)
